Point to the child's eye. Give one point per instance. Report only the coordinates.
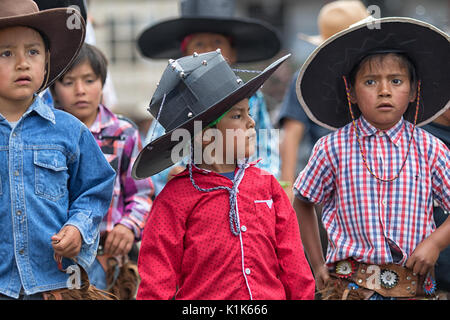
(6, 53)
(34, 52)
(67, 83)
(397, 81)
(236, 116)
(369, 82)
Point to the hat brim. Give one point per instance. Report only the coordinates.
(64, 42)
(157, 155)
(320, 87)
(253, 40)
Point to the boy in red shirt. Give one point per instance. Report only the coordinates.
(220, 229)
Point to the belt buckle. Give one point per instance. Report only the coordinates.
(345, 268)
(388, 278)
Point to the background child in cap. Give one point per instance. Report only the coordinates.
(55, 184)
(220, 229)
(79, 92)
(206, 26)
(377, 176)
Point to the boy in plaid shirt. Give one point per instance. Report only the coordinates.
(378, 174)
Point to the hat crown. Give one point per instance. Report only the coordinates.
(11, 8)
(207, 8)
(191, 85)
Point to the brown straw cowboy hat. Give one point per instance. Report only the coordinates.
(334, 17)
(63, 28)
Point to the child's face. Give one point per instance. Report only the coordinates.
(206, 42)
(383, 91)
(22, 64)
(80, 92)
(238, 131)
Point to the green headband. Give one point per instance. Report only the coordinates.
(217, 120)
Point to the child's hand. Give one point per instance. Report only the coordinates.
(67, 242)
(423, 257)
(322, 276)
(119, 241)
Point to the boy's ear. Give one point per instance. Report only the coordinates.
(353, 99)
(47, 62)
(413, 94)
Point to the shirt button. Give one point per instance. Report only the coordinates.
(384, 202)
(18, 212)
(381, 133)
(21, 251)
(14, 134)
(243, 228)
(16, 173)
(248, 271)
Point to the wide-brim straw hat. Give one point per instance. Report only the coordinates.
(320, 87)
(64, 29)
(189, 91)
(334, 17)
(253, 39)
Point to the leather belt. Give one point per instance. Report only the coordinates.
(389, 280)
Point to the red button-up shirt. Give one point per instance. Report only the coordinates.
(187, 242)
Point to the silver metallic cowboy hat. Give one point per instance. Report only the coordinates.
(194, 88)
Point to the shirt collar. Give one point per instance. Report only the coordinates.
(41, 108)
(394, 133)
(105, 118)
(206, 171)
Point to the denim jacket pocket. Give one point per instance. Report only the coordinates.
(50, 173)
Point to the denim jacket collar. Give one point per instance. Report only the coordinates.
(41, 109)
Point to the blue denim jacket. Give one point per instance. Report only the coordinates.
(52, 174)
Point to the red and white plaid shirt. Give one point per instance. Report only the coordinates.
(188, 244)
(367, 219)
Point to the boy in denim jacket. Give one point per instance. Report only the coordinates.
(55, 184)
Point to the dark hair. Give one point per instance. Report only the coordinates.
(403, 60)
(96, 59)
